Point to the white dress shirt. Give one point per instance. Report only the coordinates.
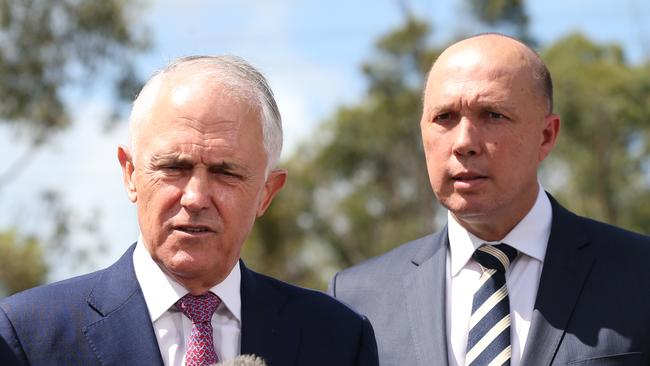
(530, 238)
(171, 327)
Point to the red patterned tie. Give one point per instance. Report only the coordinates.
(200, 346)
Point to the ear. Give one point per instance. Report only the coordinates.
(274, 183)
(128, 169)
(549, 135)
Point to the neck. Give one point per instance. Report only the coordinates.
(197, 285)
(486, 231)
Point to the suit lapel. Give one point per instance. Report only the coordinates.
(266, 331)
(425, 300)
(567, 262)
(123, 333)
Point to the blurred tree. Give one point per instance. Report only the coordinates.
(508, 14)
(603, 148)
(361, 186)
(21, 262)
(46, 48)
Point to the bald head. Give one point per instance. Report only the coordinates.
(486, 127)
(498, 54)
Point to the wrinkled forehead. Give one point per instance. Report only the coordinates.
(193, 103)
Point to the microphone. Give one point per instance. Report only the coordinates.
(243, 360)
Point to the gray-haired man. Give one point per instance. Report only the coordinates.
(205, 137)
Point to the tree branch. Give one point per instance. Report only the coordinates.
(19, 165)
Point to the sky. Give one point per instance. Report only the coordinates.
(311, 52)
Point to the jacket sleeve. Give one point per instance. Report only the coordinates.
(367, 346)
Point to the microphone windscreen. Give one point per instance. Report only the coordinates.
(244, 360)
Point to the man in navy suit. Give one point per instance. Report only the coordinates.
(513, 278)
(205, 137)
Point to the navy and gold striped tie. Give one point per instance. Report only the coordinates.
(488, 343)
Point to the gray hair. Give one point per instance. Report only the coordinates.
(233, 72)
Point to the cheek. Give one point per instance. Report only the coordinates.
(436, 169)
(428, 141)
(159, 201)
(515, 159)
(237, 211)
(436, 151)
(237, 202)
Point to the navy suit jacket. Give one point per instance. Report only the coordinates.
(592, 305)
(102, 319)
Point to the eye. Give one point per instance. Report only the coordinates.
(225, 173)
(230, 174)
(172, 168)
(442, 117)
(496, 115)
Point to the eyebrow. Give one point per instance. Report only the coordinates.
(493, 103)
(440, 107)
(174, 158)
(161, 159)
(226, 166)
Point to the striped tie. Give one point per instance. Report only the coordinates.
(488, 342)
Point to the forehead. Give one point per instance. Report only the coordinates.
(204, 112)
(199, 91)
(475, 74)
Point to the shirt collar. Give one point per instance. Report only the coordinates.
(161, 291)
(529, 236)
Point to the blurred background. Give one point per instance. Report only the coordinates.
(347, 77)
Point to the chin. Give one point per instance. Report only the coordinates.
(184, 266)
(466, 208)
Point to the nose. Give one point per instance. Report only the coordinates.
(196, 195)
(466, 139)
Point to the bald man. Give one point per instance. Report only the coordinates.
(513, 278)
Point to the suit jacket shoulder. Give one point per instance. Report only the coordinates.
(593, 295)
(390, 266)
(98, 318)
(402, 293)
(622, 252)
(614, 235)
(38, 323)
(289, 325)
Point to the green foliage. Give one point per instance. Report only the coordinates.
(47, 45)
(605, 107)
(21, 262)
(360, 187)
(495, 12)
(500, 15)
(46, 48)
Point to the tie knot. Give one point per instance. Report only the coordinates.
(497, 257)
(198, 308)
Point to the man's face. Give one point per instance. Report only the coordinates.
(198, 179)
(485, 131)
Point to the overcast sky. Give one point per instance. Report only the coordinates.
(310, 51)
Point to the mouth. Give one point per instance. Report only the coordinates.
(193, 229)
(467, 176)
(468, 179)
